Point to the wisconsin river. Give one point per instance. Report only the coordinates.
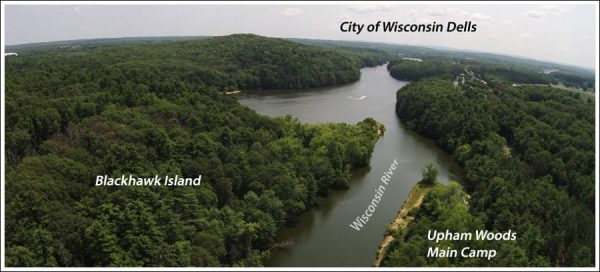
(323, 236)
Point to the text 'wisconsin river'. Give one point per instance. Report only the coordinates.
(362, 220)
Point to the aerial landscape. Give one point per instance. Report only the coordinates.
(294, 152)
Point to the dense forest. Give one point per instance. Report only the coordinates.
(450, 68)
(412, 70)
(443, 207)
(528, 154)
(146, 107)
(158, 109)
(243, 61)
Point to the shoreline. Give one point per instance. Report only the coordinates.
(401, 220)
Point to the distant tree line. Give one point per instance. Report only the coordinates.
(413, 70)
(450, 68)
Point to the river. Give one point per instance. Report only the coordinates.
(323, 237)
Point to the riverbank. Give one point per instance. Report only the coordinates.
(414, 200)
(322, 237)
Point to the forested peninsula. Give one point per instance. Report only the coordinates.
(528, 154)
(157, 108)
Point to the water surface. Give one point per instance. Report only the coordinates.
(323, 236)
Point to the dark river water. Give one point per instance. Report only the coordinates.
(323, 236)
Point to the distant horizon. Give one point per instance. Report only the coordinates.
(362, 41)
(561, 33)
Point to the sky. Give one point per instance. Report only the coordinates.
(564, 33)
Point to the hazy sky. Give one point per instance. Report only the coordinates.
(559, 33)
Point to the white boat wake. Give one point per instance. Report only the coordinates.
(357, 98)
